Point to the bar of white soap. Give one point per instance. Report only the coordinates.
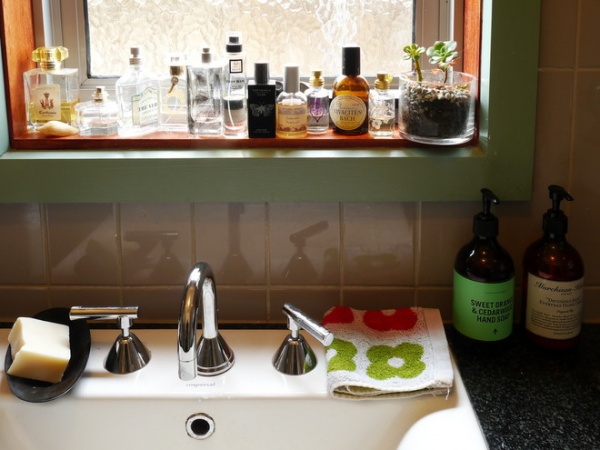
(40, 350)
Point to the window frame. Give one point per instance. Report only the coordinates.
(347, 170)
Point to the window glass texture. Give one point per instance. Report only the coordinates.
(309, 33)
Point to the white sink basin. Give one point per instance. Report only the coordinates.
(252, 406)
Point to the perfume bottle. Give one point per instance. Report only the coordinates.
(98, 117)
(235, 113)
(262, 95)
(317, 98)
(349, 109)
(292, 111)
(137, 97)
(51, 92)
(173, 96)
(205, 107)
(382, 112)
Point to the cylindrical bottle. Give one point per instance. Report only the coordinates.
(51, 92)
(137, 98)
(98, 117)
(317, 98)
(553, 282)
(235, 111)
(204, 98)
(484, 283)
(382, 112)
(349, 109)
(291, 106)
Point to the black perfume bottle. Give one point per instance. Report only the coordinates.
(262, 94)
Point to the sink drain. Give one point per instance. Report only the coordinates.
(200, 426)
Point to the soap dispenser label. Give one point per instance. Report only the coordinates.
(554, 308)
(483, 311)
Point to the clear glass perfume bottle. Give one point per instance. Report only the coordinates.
(382, 111)
(98, 117)
(137, 97)
(51, 92)
(317, 98)
(235, 110)
(292, 112)
(205, 106)
(173, 96)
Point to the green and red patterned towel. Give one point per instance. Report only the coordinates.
(378, 354)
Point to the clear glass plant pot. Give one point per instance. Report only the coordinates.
(436, 112)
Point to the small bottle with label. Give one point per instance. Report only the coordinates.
(382, 112)
(553, 282)
(205, 106)
(292, 112)
(98, 117)
(262, 96)
(173, 96)
(349, 109)
(317, 98)
(137, 97)
(235, 110)
(51, 92)
(484, 284)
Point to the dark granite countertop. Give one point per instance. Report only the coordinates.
(528, 398)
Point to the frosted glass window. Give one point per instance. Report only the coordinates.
(309, 33)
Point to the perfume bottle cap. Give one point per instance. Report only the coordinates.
(261, 72)
(316, 80)
(383, 81)
(291, 79)
(136, 55)
(234, 42)
(49, 57)
(99, 94)
(351, 60)
(206, 55)
(176, 63)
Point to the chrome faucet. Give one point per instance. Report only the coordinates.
(212, 355)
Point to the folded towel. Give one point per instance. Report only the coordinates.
(387, 353)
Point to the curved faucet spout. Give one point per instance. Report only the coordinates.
(212, 355)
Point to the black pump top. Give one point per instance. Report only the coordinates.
(485, 224)
(555, 222)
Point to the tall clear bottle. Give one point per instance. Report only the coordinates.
(292, 112)
(317, 98)
(349, 108)
(137, 97)
(205, 107)
(51, 92)
(235, 110)
(382, 111)
(173, 96)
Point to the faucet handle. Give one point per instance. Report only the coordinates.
(294, 356)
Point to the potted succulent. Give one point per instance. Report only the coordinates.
(437, 106)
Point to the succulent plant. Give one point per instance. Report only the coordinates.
(441, 53)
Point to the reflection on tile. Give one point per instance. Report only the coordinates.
(154, 303)
(22, 260)
(156, 240)
(379, 298)
(82, 245)
(378, 244)
(557, 49)
(312, 302)
(26, 301)
(239, 305)
(76, 296)
(231, 238)
(304, 243)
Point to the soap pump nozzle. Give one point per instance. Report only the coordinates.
(485, 224)
(555, 222)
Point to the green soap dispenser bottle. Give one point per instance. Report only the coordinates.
(553, 282)
(484, 283)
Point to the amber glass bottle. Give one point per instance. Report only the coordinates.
(349, 110)
(553, 282)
